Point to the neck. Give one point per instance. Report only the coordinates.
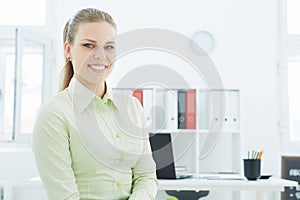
(100, 89)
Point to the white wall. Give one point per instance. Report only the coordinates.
(246, 52)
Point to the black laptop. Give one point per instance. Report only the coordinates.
(162, 153)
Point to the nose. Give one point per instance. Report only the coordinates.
(99, 53)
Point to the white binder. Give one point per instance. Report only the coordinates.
(171, 101)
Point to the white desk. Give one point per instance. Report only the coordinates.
(262, 187)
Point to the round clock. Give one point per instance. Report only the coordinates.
(205, 40)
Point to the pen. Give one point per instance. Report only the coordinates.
(260, 155)
(255, 154)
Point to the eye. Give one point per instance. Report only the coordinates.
(109, 47)
(88, 45)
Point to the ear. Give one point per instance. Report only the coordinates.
(67, 50)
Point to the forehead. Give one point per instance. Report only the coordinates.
(97, 31)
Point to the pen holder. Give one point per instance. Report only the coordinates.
(252, 168)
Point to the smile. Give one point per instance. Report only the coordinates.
(97, 67)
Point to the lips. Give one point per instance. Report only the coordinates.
(97, 67)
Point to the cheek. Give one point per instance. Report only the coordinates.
(111, 67)
(111, 57)
(109, 70)
(79, 60)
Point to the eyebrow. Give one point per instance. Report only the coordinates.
(94, 41)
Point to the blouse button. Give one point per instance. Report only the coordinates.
(105, 111)
(118, 135)
(119, 184)
(120, 159)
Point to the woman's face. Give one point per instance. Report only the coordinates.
(93, 52)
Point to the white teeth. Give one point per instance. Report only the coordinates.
(97, 67)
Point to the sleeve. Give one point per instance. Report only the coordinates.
(50, 145)
(144, 172)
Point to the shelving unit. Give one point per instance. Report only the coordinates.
(212, 108)
(161, 110)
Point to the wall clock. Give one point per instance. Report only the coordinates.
(205, 40)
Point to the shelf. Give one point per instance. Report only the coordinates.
(189, 113)
(193, 131)
(188, 109)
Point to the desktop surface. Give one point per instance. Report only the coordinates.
(272, 184)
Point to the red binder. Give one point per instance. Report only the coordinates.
(191, 109)
(139, 95)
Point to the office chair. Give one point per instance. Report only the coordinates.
(187, 195)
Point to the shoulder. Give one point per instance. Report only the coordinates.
(57, 105)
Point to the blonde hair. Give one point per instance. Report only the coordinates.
(86, 15)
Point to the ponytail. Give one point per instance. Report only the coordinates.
(67, 72)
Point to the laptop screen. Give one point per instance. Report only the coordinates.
(162, 153)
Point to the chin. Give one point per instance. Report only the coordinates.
(89, 80)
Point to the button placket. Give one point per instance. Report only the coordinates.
(118, 135)
(102, 106)
(119, 184)
(120, 159)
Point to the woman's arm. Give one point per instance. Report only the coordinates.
(144, 177)
(144, 173)
(50, 145)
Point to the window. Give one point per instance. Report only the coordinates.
(20, 12)
(294, 100)
(293, 15)
(25, 58)
(290, 73)
(23, 63)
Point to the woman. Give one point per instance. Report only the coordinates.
(88, 142)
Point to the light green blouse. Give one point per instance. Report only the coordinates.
(91, 148)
